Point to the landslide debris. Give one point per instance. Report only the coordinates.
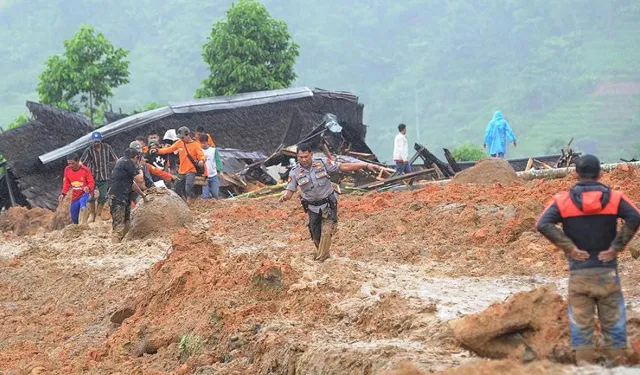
(488, 172)
(529, 325)
(25, 222)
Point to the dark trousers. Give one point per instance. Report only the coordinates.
(120, 217)
(185, 187)
(326, 219)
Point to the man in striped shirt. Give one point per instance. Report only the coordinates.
(98, 157)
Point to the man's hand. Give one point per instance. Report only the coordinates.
(175, 178)
(608, 256)
(153, 151)
(373, 167)
(200, 163)
(283, 198)
(87, 190)
(60, 198)
(145, 199)
(484, 145)
(579, 255)
(515, 143)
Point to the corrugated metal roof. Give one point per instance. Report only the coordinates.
(241, 100)
(199, 105)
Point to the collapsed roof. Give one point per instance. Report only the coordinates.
(259, 123)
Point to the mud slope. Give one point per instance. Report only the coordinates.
(237, 292)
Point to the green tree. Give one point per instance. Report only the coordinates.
(469, 152)
(248, 51)
(85, 74)
(19, 121)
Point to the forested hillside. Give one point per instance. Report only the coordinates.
(556, 69)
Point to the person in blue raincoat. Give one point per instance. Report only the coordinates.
(497, 135)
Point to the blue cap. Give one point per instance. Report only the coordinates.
(96, 137)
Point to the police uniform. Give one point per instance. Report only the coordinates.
(318, 200)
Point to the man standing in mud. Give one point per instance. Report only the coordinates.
(78, 179)
(589, 238)
(318, 199)
(120, 186)
(98, 157)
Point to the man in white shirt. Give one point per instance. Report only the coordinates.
(401, 151)
(213, 165)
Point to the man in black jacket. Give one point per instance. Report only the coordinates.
(589, 213)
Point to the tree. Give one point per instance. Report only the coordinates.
(469, 152)
(248, 51)
(85, 74)
(19, 121)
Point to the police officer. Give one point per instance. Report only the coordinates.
(318, 198)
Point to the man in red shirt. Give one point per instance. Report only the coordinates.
(78, 178)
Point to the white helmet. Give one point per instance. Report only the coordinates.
(170, 135)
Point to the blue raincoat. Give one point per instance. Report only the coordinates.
(498, 134)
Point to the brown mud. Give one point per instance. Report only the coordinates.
(237, 291)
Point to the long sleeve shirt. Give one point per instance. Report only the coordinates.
(401, 148)
(194, 149)
(99, 161)
(76, 181)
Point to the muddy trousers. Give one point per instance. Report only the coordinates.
(79, 207)
(322, 225)
(120, 216)
(591, 290)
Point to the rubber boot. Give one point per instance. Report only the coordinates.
(615, 356)
(92, 212)
(585, 356)
(325, 240)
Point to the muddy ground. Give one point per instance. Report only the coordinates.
(237, 291)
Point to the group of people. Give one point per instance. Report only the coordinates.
(176, 161)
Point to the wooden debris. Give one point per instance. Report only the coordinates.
(529, 164)
(392, 180)
(452, 161)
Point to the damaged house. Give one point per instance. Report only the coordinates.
(246, 127)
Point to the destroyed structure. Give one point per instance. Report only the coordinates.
(256, 133)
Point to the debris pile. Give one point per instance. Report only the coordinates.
(528, 326)
(488, 172)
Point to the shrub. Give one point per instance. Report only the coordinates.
(469, 152)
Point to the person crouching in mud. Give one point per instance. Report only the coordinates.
(319, 201)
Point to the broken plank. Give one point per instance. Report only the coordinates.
(391, 180)
(529, 164)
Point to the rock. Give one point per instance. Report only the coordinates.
(163, 214)
(39, 371)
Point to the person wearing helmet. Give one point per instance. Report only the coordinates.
(591, 241)
(192, 160)
(121, 185)
(100, 158)
(170, 137)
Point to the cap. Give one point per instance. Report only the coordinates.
(153, 144)
(183, 131)
(588, 166)
(136, 146)
(96, 137)
(170, 135)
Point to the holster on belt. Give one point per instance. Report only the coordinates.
(331, 200)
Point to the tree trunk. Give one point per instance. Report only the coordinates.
(91, 107)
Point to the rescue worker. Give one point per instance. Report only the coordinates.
(98, 157)
(589, 238)
(318, 199)
(497, 134)
(121, 185)
(200, 132)
(191, 163)
(77, 177)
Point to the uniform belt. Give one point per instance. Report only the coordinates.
(320, 202)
